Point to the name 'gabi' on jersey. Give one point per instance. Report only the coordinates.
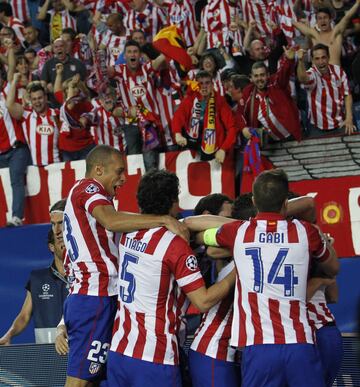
(271, 237)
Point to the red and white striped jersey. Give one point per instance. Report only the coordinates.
(91, 249)
(217, 84)
(326, 94)
(108, 130)
(257, 10)
(281, 13)
(153, 265)
(151, 21)
(272, 257)
(215, 20)
(114, 45)
(137, 89)
(268, 119)
(88, 4)
(212, 338)
(20, 10)
(10, 129)
(319, 313)
(183, 16)
(42, 134)
(18, 27)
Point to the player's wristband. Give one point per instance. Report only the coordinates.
(210, 237)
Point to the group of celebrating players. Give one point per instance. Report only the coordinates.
(134, 276)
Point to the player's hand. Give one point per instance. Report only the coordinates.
(246, 133)
(220, 156)
(16, 78)
(289, 52)
(252, 24)
(233, 26)
(177, 227)
(118, 112)
(59, 68)
(300, 54)
(5, 340)
(180, 140)
(191, 51)
(349, 126)
(61, 341)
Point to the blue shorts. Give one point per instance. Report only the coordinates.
(208, 372)
(89, 321)
(281, 365)
(329, 344)
(125, 371)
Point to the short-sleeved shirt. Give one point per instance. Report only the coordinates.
(92, 255)
(154, 265)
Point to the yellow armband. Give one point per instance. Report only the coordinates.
(210, 237)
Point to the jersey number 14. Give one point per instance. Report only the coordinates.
(288, 280)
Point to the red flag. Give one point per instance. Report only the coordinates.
(170, 42)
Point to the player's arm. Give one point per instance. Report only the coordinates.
(315, 284)
(332, 292)
(15, 109)
(218, 252)
(127, 222)
(21, 321)
(203, 222)
(301, 73)
(159, 62)
(328, 262)
(302, 208)
(61, 340)
(305, 30)
(204, 298)
(343, 23)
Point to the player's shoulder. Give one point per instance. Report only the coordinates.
(88, 186)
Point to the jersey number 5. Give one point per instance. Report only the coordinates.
(128, 285)
(288, 280)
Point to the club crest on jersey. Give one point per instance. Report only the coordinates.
(94, 368)
(45, 130)
(138, 91)
(92, 188)
(191, 262)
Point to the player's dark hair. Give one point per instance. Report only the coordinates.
(157, 192)
(259, 65)
(100, 155)
(6, 8)
(58, 206)
(11, 30)
(21, 58)
(227, 74)
(202, 74)
(70, 32)
(51, 236)
(324, 10)
(243, 207)
(211, 203)
(270, 190)
(240, 81)
(320, 46)
(131, 43)
(37, 87)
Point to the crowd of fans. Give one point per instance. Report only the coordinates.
(76, 73)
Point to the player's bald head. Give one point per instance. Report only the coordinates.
(101, 155)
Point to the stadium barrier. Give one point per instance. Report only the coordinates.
(39, 365)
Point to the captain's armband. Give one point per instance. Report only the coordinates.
(210, 237)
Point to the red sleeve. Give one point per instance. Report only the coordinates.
(284, 72)
(184, 265)
(317, 245)
(91, 194)
(227, 233)
(59, 96)
(181, 116)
